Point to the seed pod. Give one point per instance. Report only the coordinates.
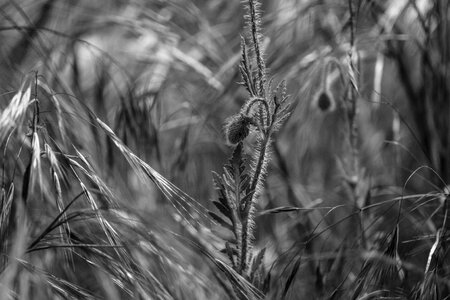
(237, 128)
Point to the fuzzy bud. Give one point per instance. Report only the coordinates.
(237, 128)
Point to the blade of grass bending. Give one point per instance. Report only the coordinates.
(179, 199)
(50, 227)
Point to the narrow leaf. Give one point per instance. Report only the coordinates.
(220, 221)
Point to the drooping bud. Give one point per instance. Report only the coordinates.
(237, 128)
(324, 101)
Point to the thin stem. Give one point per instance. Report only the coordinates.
(257, 178)
(353, 108)
(265, 105)
(330, 62)
(254, 20)
(353, 127)
(36, 104)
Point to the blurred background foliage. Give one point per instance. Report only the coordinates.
(164, 76)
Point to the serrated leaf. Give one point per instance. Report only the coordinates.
(217, 180)
(225, 210)
(231, 252)
(220, 188)
(221, 221)
(236, 158)
(245, 182)
(228, 170)
(245, 201)
(229, 182)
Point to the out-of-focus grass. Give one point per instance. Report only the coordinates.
(79, 221)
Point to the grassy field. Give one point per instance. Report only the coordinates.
(181, 149)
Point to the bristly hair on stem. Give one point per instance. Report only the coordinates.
(253, 22)
(241, 183)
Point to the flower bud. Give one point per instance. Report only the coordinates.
(237, 128)
(324, 101)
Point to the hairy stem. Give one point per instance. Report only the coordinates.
(254, 24)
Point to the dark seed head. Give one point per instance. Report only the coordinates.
(237, 128)
(325, 101)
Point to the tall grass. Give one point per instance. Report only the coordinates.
(324, 125)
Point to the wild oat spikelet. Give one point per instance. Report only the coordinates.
(237, 128)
